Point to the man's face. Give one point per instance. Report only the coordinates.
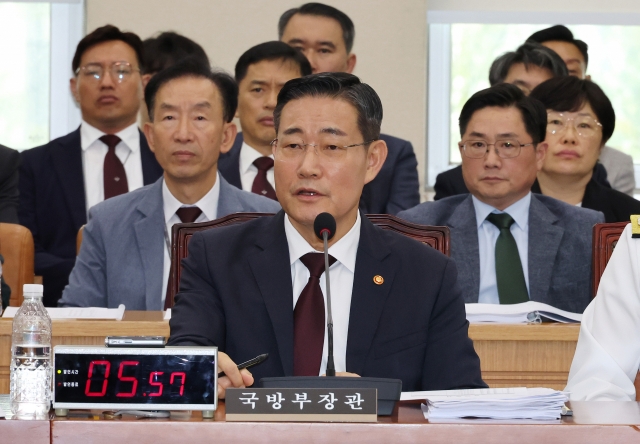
(527, 77)
(107, 104)
(313, 182)
(571, 55)
(493, 180)
(321, 40)
(258, 95)
(188, 130)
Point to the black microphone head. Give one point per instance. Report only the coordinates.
(324, 222)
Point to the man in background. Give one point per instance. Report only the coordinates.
(575, 53)
(124, 258)
(511, 245)
(105, 157)
(9, 165)
(325, 35)
(261, 72)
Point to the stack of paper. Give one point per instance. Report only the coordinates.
(76, 312)
(540, 404)
(530, 312)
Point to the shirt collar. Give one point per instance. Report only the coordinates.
(519, 211)
(345, 250)
(208, 204)
(129, 136)
(248, 155)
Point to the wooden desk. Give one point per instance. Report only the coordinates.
(510, 355)
(25, 432)
(593, 422)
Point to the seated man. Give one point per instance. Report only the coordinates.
(261, 72)
(526, 67)
(608, 354)
(124, 258)
(325, 35)
(9, 164)
(511, 245)
(397, 310)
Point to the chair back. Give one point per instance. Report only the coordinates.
(18, 252)
(436, 237)
(605, 238)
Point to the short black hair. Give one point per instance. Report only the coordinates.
(167, 49)
(336, 85)
(530, 54)
(274, 50)
(506, 95)
(570, 94)
(193, 67)
(561, 33)
(322, 10)
(103, 34)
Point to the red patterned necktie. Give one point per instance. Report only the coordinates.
(186, 215)
(308, 319)
(261, 185)
(115, 178)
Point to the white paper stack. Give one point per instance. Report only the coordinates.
(539, 404)
(76, 312)
(530, 312)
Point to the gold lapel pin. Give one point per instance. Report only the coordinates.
(378, 280)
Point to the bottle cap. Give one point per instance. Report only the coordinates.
(32, 290)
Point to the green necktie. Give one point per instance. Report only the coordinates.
(512, 288)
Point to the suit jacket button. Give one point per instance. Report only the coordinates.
(378, 280)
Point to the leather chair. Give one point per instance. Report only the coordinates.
(436, 237)
(605, 238)
(17, 248)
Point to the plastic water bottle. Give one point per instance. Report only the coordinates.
(31, 358)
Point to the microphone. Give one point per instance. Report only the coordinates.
(325, 227)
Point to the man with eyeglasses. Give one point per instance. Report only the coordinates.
(105, 157)
(511, 245)
(397, 310)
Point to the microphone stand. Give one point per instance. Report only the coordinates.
(331, 368)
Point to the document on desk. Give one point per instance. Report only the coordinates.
(530, 312)
(541, 404)
(76, 312)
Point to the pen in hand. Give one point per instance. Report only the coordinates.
(250, 363)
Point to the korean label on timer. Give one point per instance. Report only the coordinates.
(301, 404)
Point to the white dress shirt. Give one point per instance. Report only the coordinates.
(608, 354)
(209, 206)
(94, 152)
(341, 274)
(488, 235)
(248, 171)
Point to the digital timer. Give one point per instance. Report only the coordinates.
(170, 378)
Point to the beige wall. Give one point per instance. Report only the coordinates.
(538, 5)
(391, 43)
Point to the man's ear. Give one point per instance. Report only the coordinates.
(351, 63)
(541, 152)
(149, 135)
(145, 80)
(228, 137)
(73, 86)
(376, 156)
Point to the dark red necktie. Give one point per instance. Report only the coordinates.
(261, 185)
(186, 215)
(308, 319)
(115, 178)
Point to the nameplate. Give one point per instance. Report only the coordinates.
(303, 405)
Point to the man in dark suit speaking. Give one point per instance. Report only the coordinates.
(253, 288)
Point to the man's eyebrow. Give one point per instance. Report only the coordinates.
(333, 131)
(572, 61)
(168, 106)
(477, 134)
(258, 82)
(502, 135)
(327, 43)
(290, 131)
(296, 40)
(204, 104)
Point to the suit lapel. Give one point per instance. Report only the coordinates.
(544, 240)
(149, 231)
(367, 298)
(464, 248)
(228, 202)
(66, 157)
(151, 170)
(272, 271)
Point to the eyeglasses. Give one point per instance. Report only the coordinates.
(120, 71)
(293, 149)
(585, 126)
(505, 148)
